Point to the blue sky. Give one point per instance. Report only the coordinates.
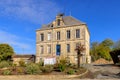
(20, 18)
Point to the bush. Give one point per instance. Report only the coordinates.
(47, 68)
(32, 68)
(61, 67)
(41, 63)
(22, 63)
(6, 72)
(13, 67)
(71, 71)
(20, 70)
(4, 64)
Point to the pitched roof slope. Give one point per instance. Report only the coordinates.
(68, 21)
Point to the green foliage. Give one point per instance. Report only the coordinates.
(116, 45)
(107, 42)
(47, 68)
(32, 68)
(4, 64)
(14, 67)
(6, 51)
(61, 67)
(101, 50)
(22, 63)
(20, 70)
(70, 71)
(41, 63)
(6, 72)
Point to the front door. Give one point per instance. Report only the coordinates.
(58, 48)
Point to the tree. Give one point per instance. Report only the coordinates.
(79, 49)
(94, 50)
(101, 50)
(107, 42)
(6, 51)
(116, 45)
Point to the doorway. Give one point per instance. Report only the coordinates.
(58, 49)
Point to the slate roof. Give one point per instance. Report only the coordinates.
(68, 21)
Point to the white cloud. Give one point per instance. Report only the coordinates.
(15, 41)
(37, 11)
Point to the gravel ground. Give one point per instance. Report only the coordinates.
(105, 71)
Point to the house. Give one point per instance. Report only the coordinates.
(60, 37)
(26, 58)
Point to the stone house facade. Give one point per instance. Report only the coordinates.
(60, 37)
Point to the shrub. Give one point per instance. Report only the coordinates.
(22, 63)
(20, 70)
(61, 67)
(70, 71)
(47, 68)
(4, 64)
(41, 63)
(13, 67)
(6, 72)
(32, 68)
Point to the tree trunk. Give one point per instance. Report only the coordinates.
(78, 60)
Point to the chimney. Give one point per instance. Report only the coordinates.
(59, 15)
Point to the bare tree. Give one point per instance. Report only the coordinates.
(79, 49)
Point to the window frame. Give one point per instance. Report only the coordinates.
(49, 49)
(42, 37)
(49, 36)
(41, 49)
(68, 48)
(58, 35)
(77, 33)
(58, 22)
(68, 34)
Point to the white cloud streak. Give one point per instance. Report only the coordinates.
(14, 40)
(37, 11)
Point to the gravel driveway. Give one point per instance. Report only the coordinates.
(105, 71)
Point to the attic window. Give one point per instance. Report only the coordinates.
(58, 22)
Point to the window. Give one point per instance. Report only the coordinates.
(68, 47)
(58, 22)
(68, 34)
(49, 36)
(58, 35)
(77, 33)
(41, 49)
(42, 37)
(49, 48)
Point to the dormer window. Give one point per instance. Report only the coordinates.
(58, 22)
